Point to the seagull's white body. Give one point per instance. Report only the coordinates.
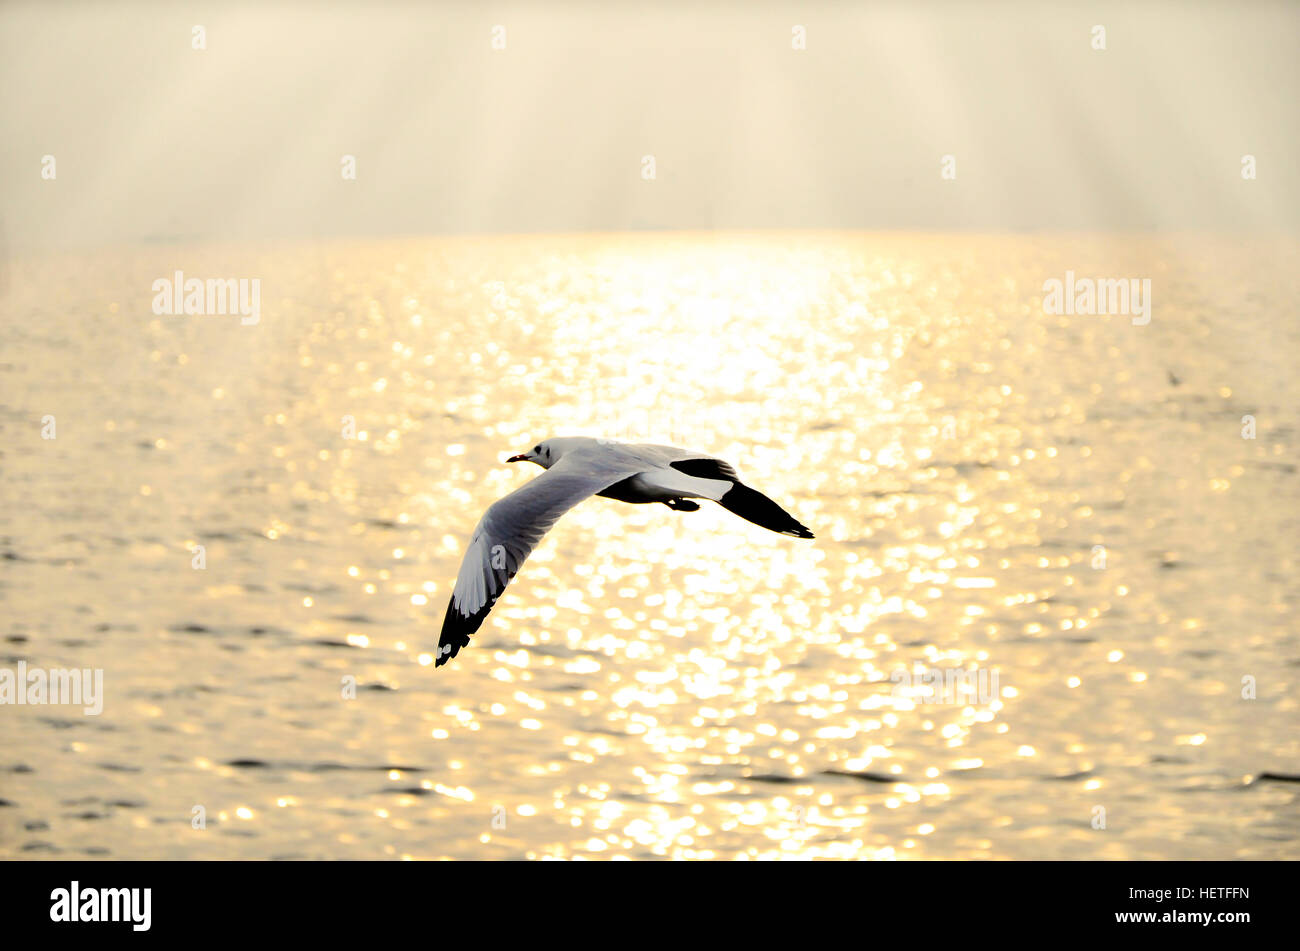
(579, 467)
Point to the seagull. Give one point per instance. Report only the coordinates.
(578, 467)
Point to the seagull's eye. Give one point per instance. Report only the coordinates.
(537, 449)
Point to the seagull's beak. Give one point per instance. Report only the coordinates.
(517, 459)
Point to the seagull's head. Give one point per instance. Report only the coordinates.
(541, 454)
(549, 451)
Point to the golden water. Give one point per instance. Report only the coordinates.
(657, 683)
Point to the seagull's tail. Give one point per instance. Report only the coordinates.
(758, 508)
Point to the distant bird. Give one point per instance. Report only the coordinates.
(578, 467)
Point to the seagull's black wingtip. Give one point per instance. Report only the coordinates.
(754, 506)
(446, 653)
(457, 628)
(447, 649)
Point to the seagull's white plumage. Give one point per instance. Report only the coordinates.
(579, 467)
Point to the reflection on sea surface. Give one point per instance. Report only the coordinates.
(1063, 502)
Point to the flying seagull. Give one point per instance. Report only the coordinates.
(578, 467)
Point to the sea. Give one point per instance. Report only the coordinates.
(1049, 612)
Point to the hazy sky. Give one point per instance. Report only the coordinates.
(245, 138)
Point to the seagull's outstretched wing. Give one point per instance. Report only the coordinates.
(713, 478)
(511, 528)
